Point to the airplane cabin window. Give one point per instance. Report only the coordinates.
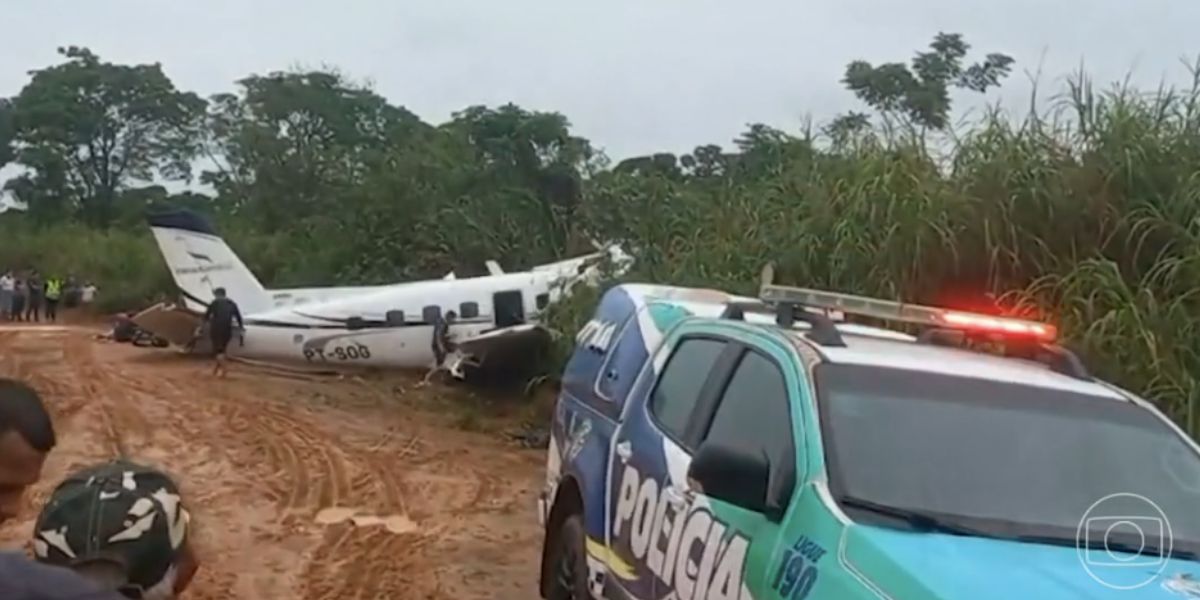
(543, 300)
(394, 317)
(431, 313)
(355, 323)
(468, 310)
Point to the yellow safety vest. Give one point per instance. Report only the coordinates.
(53, 289)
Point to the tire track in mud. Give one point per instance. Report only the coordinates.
(308, 470)
(260, 457)
(43, 359)
(99, 388)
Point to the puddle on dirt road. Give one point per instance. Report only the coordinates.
(393, 523)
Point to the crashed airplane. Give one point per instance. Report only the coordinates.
(389, 326)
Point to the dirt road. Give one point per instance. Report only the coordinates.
(278, 470)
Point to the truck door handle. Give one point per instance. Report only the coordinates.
(624, 451)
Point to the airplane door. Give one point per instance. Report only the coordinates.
(649, 463)
(508, 308)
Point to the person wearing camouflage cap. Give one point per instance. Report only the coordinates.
(122, 525)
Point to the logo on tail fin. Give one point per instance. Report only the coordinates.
(198, 256)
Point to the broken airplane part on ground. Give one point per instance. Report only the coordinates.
(388, 326)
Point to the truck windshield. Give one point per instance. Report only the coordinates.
(982, 457)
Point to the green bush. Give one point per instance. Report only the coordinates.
(126, 267)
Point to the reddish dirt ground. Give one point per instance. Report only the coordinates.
(266, 462)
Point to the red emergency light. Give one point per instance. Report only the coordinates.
(908, 313)
(1013, 327)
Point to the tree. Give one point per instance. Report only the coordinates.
(705, 161)
(663, 164)
(917, 98)
(6, 132)
(290, 139)
(527, 151)
(765, 150)
(88, 128)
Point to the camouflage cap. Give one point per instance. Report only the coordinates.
(118, 512)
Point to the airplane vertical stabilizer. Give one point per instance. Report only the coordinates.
(200, 261)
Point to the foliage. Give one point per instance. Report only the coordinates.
(1088, 215)
(918, 97)
(86, 128)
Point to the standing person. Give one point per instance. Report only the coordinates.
(7, 284)
(122, 525)
(26, 437)
(18, 300)
(34, 295)
(87, 294)
(219, 317)
(54, 288)
(70, 297)
(441, 343)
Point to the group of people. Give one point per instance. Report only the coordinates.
(110, 531)
(28, 296)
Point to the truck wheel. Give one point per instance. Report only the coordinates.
(569, 575)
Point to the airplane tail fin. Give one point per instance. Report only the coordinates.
(200, 261)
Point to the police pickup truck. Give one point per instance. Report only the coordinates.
(713, 447)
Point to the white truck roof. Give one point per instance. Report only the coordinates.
(875, 350)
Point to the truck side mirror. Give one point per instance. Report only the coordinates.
(732, 475)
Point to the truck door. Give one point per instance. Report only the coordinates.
(732, 547)
(649, 462)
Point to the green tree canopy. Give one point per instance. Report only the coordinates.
(87, 128)
(917, 96)
(289, 140)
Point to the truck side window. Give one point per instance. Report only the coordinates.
(679, 387)
(754, 416)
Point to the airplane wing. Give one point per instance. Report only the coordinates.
(514, 341)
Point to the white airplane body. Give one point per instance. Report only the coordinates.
(388, 326)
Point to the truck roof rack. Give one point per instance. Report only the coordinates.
(947, 327)
(824, 330)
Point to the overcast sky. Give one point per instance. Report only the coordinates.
(634, 76)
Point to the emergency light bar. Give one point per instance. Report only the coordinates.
(907, 313)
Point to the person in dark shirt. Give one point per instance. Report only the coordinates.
(441, 343)
(20, 292)
(36, 294)
(124, 526)
(26, 437)
(219, 317)
(24, 579)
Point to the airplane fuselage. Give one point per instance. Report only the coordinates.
(383, 325)
(392, 326)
